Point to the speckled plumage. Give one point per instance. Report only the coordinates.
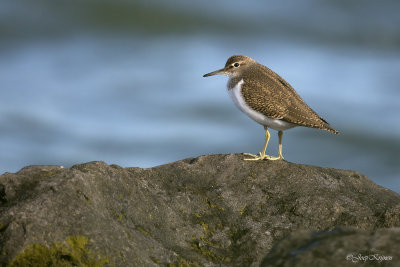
(268, 99)
(266, 92)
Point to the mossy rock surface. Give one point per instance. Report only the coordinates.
(73, 252)
(215, 210)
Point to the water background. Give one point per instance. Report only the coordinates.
(121, 81)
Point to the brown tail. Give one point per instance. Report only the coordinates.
(330, 129)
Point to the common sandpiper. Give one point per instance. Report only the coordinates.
(268, 99)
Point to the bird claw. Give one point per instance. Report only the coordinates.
(275, 158)
(256, 157)
(261, 157)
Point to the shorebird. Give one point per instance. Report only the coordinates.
(268, 99)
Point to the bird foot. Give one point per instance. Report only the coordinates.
(276, 158)
(260, 156)
(256, 157)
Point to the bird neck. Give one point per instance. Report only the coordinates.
(233, 81)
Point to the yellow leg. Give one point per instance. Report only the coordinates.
(261, 155)
(280, 134)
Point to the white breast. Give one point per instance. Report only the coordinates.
(237, 98)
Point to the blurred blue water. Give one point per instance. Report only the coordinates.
(131, 91)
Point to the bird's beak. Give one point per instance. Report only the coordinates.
(221, 71)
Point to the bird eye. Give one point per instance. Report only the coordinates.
(236, 65)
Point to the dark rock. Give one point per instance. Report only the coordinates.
(216, 210)
(338, 247)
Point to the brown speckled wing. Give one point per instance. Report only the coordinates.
(268, 93)
(262, 97)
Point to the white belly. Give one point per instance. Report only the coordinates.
(237, 98)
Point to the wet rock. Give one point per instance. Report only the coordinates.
(215, 210)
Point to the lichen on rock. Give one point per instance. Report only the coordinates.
(72, 252)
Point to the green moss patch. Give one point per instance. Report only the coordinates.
(72, 252)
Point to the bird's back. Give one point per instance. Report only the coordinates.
(268, 93)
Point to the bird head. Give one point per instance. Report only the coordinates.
(233, 67)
